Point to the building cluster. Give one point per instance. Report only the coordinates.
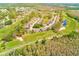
(49, 25)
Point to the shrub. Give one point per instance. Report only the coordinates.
(8, 22)
(37, 26)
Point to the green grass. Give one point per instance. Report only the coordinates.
(13, 44)
(36, 36)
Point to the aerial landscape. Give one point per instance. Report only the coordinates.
(39, 29)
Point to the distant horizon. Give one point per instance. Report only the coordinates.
(68, 5)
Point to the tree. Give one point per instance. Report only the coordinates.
(8, 22)
(37, 26)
